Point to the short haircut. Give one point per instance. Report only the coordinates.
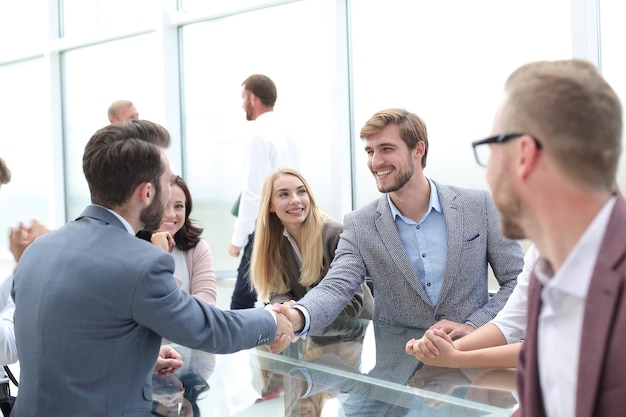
(573, 112)
(262, 87)
(412, 127)
(121, 156)
(5, 173)
(116, 105)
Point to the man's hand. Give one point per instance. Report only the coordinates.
(22, 236)
(284, 331)
(453, 329)
(169, 361)
(164, 240)
(233, 250)
(294, 315)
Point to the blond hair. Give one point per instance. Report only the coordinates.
(267, 266)
(573, 112)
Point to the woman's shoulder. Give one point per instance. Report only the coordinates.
(201, 249)
(332, 224)
(332, 229)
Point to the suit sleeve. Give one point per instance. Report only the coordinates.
(347, 272)
(172, 313)
(506, 258)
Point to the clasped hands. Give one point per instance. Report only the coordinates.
(436, 347)
(22, 236)
(288, 321)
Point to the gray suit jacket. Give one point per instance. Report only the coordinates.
(361, 305)
(370, 246)
(601, 387)
(92, 304)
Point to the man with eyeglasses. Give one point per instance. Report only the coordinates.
(425, 245)
(552, 171)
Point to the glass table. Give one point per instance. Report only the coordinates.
(354, 367)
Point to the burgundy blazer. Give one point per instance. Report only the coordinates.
(601, 389)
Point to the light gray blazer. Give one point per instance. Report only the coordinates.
(92, 304)
(370, 246)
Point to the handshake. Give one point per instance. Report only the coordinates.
(288, 321)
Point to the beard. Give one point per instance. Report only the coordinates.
(403, 175)
(151, 216)
(510, 207)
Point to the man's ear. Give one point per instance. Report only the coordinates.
(146, 192)
(418, 152)
(528, 156)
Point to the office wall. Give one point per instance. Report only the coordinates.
(335, 63)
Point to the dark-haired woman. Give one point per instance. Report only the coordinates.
(177, 234)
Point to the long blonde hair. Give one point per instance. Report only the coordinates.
(267, 267)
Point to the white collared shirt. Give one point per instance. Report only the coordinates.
(127, 225)
(563, 299)
(270, 146)
(512, 319)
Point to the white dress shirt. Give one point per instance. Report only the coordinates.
(560, 321)
(270, 146)
(8, 348)
(512, 319)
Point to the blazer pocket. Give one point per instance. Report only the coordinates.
(147, 392)
(472, 238)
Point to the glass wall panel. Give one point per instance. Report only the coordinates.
(446, 62)
(218, 7)
(23, 26)
(291, 45)
(26, 146)
(87, 17)
(93, 78)
(613, 33)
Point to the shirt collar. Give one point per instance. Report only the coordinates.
(265, 115)
(433, 204)
(127, 225)
(575, 274)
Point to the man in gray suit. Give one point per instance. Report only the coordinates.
(93, 302)
(425, 245)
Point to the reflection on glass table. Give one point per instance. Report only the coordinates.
(354, 367)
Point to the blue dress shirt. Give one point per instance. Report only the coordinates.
(425, 244)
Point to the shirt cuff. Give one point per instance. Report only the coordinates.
(269, 308)
(307, 320)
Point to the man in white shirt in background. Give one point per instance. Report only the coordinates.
(270, 146)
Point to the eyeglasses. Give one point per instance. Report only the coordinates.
(482, 153)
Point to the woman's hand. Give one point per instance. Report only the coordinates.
(164, 240)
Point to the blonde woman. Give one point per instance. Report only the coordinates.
(294, 243)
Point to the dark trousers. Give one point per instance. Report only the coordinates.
(243, 295)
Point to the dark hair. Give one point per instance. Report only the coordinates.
(121, 156)
(262, 87)
(189, 235)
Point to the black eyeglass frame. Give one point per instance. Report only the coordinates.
(504, 137)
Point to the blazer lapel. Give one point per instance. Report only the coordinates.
(388, 232)
(453, 216)
(603, 294)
